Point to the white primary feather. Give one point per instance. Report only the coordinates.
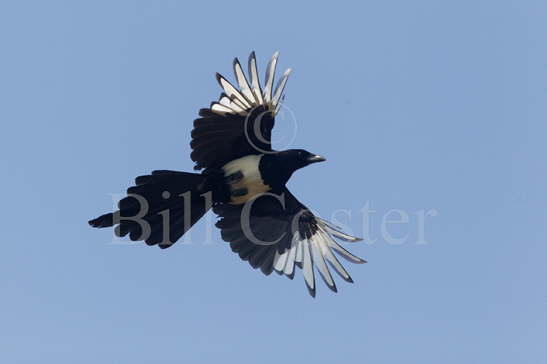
(299, 252)
(278, 107)
(243, 84)
(289, 265)
(336, 231)
(317, 254)
(220, 109)
(255, 82)
(225, 100)
(232, 92)
(344, 253)
(270, 75)
(280, 87)
(236, 102)
(307, 265)
(333, 261)
(280, 260)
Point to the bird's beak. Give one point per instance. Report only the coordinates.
(315, 159)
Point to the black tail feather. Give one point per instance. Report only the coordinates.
(102, 221)
(154, 200)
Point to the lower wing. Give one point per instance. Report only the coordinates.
(275, 232)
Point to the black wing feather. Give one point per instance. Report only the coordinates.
(218, 139)
(269, 222)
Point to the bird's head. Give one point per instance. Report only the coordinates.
(298, 158)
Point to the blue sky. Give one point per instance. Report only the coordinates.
(418, 106)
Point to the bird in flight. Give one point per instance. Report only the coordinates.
(243, 180)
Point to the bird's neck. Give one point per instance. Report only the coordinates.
(275, 170)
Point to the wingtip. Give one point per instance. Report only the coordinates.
(252, 56)
(218, 76)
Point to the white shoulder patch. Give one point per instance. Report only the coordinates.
(251, 180)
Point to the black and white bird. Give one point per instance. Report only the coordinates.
(244, 182)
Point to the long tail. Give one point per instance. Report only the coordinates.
(159, 209)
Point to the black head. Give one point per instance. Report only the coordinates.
(277, 168)
(298, 158)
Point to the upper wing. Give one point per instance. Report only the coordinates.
(241, 121)
(277, 232)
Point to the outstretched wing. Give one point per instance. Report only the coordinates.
(241, 121)
(277, 232)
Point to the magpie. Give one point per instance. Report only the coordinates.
(243, 180)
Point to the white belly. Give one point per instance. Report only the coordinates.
(251, 181)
